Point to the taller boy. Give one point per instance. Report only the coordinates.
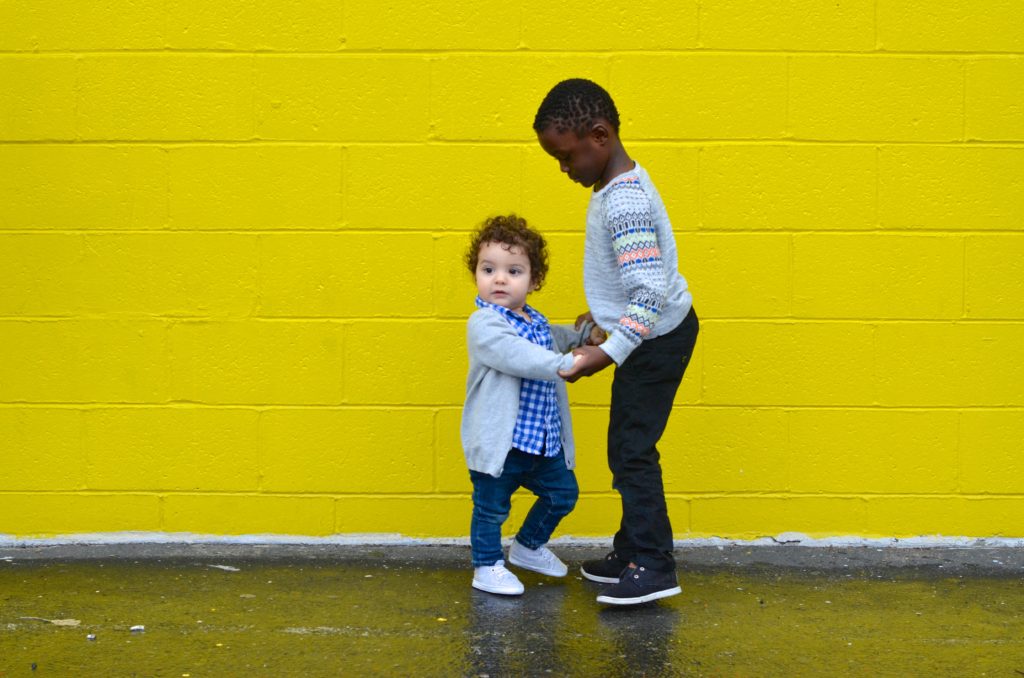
(635, 291)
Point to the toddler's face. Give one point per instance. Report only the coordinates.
(503, 276)
(582, 158)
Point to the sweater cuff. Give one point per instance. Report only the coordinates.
(617, 346)
(567, 363)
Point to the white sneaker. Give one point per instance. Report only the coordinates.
(496, 579)
(541, 560)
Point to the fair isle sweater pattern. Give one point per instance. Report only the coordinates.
(635, 242)
(631, 265)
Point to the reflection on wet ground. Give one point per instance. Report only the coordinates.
(243, 616)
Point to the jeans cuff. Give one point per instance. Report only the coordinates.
(525, 545)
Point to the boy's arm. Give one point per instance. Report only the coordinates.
(493, 342)
(630, 224)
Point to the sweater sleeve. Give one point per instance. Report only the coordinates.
(495, 343)
(630, 224)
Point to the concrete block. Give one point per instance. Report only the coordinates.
(257, 362)
(254, 187)
(870, 98)
(361, 451)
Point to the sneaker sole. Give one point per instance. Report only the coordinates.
(640, 599)
(531, 568)
(501, 592)
(598, 578)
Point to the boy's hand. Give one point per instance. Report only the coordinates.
(589, 360)
(583, 318)
(597, 335)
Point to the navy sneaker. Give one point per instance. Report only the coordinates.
(604, 570)
(640, 585)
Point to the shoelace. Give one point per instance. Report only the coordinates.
(501, 572)
(548, 556)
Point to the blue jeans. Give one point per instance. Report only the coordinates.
(547, 477)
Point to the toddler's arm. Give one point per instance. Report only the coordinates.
(568, 337)
(495, 343)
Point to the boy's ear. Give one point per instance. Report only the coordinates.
(599, 133)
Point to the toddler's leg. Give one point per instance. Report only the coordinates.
(557, 491)
(491, 504)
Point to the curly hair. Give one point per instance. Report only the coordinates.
(575, 104)
(511, 231)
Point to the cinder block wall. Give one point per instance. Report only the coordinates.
(231, 296)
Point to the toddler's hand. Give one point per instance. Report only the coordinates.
(587, 360)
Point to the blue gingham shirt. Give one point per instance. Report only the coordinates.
(538, 425)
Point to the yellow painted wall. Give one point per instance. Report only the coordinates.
(231, 297)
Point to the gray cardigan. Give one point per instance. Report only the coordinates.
(499, 359)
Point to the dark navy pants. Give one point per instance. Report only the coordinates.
(643, 390)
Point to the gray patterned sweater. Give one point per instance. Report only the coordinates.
(630, 265)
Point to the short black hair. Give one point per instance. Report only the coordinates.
(575, 104)
(511, 231)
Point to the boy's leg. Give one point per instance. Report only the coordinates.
(643, 390)
(557, 491)
(491, 505)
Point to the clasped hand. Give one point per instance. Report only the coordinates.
(589, 358)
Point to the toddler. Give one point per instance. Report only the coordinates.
(516, 429)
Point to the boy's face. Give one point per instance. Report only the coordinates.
(584, 158)
(503, 275)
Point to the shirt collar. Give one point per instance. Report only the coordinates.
(535, 315)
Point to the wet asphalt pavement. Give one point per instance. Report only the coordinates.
(230, 610)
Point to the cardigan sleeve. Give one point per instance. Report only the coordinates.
(494, 342)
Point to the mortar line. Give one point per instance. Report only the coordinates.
(440, 232)
(455, 407)
(453, 319)
(512, 51)
(452, 495)
(525, 142)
